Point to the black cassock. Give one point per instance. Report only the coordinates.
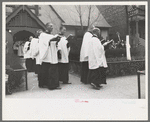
(63, 72)
(97, 52)
(30, 64)
(84, 72)
(49, 75)
(49, 69)
(63, 65)
(97, 76)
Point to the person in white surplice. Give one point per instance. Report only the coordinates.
(38, 61)
(97, 61)
(35, 53)
(33, 48)
(48, 55)
(63, 65)
(27, 55)
(84, 54)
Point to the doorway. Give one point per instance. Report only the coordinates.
(19, 40)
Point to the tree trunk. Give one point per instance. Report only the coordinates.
(80, 16)
(89, 16)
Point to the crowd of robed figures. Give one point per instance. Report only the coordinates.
(50, 53)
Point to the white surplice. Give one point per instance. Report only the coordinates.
(27, 53)
(44, 39)
(34, 47)
(38, 61)
(48, 52)
(85, 46)
(62, 46)
(35, 50)
(96, 54)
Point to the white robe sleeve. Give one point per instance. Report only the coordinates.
(84, 47)
(34, 47)
(25, 47)
(62, 46)
(98, 51)
(44, 40)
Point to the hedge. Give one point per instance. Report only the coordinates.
(119, 68)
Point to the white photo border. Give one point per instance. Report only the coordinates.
(68, 109)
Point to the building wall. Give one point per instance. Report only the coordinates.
(48, 15)
(104, 33)
(14, 30)
(11, 58)
(115, 15)
(70, 30)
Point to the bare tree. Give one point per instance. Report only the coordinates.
(90, 9)
(89, 15)
(52, 19)
(79, 11)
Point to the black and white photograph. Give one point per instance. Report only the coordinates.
(89, 59)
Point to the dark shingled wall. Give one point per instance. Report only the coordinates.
(115, 15)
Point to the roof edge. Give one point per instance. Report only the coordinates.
(57, 13)
(25, 7)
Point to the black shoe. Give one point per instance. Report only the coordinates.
(97, 88)
(58, 88)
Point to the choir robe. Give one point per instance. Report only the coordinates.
(34, 52)
(38, 69)
(27, 56)
(38, 66)
(63, 65)
(35, 55)
(97, 62)
(84, 56)
(48, 56)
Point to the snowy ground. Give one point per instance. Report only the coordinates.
(118, 100)
(117, 88)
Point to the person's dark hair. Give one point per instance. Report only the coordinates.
(61, 27)
(49, 27)
(95, 30)
(49, 23)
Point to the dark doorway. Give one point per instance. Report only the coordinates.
(22, 36)
(19, 40)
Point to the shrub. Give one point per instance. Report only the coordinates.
(136, 53)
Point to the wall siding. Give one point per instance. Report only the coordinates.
(115, 15)
(48, 15)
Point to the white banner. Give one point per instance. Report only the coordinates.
(128, 54)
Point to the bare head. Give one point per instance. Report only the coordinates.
(38, 32)
(91, 27)
(97, 32)
(30, 38)
(49, 27)
(62, 30)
